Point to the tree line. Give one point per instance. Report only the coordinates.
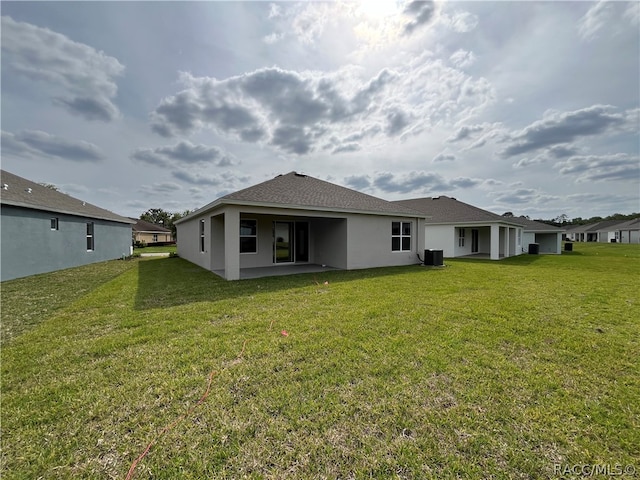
(564, 221)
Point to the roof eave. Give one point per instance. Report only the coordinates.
(13, 203)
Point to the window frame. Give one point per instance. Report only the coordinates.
(202, 235)
(399, 240)
(55, 223)
(91, 246)
(245, 236)
(461, 236)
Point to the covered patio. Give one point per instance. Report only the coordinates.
(279, 270)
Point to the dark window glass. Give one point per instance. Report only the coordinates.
(248, 245)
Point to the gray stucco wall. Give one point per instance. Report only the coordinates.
(29, 246)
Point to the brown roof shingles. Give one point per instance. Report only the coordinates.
(21, 192)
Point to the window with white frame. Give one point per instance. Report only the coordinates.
(90, 237)
(461, 232)
(400, 236)
(248, 236)
(155, 237)
(201, 236)
(54, 223)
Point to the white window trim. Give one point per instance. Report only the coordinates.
(461, 235)
(402, 236)
(57, 224)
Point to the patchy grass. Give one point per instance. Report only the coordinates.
(478, 369)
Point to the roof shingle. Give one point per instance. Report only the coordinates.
(294, 189)
(447, 210)
(20, 192)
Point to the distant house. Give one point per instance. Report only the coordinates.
(628, 232)
(547, 237)
(607, 231)
(150, 233)
(460, 229)
(577, 233)
(295, 220)
(43, 230)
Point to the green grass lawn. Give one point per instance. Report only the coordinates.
(478, 369)
(156, 249)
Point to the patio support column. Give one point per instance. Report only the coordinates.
(232, 243)
(507, 237)
(495, 242)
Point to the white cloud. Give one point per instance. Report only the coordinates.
(462, 58)
(184, 152)
(35, 144)
(81, 78)
(593, 168)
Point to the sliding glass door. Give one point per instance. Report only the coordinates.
(290, 242)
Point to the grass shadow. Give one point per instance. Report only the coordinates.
(169, 282)
(518, 260)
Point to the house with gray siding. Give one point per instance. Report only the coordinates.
(297, 220)
(43, 230)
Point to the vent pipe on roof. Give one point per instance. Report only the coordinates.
(5, 186)
(28, 190)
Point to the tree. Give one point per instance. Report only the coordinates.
(157, 216)
(508, 214)
(561, 219)
(50, 186)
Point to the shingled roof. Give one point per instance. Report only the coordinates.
(144, 226)
(20, 192)
(534, 226)
(449, 210)
(294, 190)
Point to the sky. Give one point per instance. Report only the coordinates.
(524, 107)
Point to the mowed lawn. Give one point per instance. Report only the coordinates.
(478, 369)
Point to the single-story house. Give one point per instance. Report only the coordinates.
(548, 237)
(628, 232)
(460, 229)
(295, 219)
(606, 231)
(149, 233)
(577, 233)
(43, 230)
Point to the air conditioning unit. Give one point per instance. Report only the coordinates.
(434, 258)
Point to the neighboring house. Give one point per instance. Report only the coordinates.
(460, 229)
(577, 233)
(548, 237)
(629, 232)
(606, 231)
(296, 219)
(149, 233)
(43, 230)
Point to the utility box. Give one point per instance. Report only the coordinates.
(434, 258)
(534, 248)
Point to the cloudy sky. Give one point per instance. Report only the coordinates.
(529, 107)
